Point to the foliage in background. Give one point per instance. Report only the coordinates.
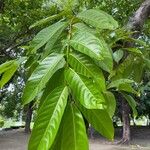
(92, 69)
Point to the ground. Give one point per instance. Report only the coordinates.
(17, 140)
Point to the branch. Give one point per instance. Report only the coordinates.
(136, 22)
(19, 44)
(7, 51)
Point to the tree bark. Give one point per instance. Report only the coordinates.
(28, 118)
(126, 123)
(135, 23)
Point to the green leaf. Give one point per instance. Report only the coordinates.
(46, 20)
(41, 75)
(94, 47)
(85, 66)
(124, 70)
(84, 90)
(98, 19)
(53, 43)
(56, 80)
(8, 69)
(31, 60)
(5, 66)
(132, 103)
(74, 135)
(111, 103)
(134, 50)
(88, 44)
(128, 88)
(119, 82)
(83, 27)
(47, 34)
(147, 63)
(100, 121)
(117, 55)
(48, 119)
(138, 70)
(107, 62)
(32, 68)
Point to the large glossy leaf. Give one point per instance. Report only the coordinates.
(100, 121)
(56, 80)
(41, 75)
(84, 90)
(132, 103)
(88, 44)
(85, 66)
(98, 19)
(47, 34)
(73, 135)
(7, 70)
(111, 103)
(48, 119)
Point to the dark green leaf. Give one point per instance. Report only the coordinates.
(98, 19)
(100, 120)
(46, 35)
(132, 103)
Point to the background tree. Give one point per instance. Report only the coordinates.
(18, 25)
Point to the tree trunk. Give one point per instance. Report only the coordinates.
(125, 111)
(148, 120)
(135, 23)
(28, 118)
(126, 123)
